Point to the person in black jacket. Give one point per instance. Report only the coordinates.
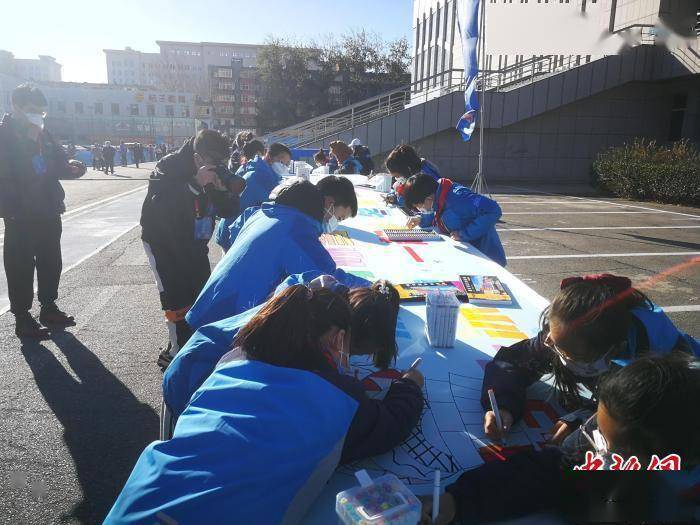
(31, 204)
(242, 138)
(187, 191)
(108, 153)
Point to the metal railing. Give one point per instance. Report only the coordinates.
(511, 77)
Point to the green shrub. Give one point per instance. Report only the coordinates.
(646, 171)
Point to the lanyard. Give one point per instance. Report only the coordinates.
(445, 188)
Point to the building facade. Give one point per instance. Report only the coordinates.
(85, 113)
(233, 96)
(42, 69)
(179, 66)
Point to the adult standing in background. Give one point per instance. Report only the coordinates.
(31, 204)
(108, 153)
(241, 139)
(122, 153)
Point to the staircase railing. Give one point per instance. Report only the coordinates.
(331, 124)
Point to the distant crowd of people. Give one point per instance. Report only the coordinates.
(105, 155)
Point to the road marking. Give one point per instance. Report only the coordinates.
(76, 212)
(565, 212)
(596, 255)
(564, 228)
(682, 308)
(544, 202)
(653, 210)
(82, 260)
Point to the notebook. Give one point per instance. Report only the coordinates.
(485, 289)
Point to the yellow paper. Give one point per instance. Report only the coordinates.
(507, 334)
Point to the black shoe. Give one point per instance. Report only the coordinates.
(26, 326)
(165, 358)
(51, 316)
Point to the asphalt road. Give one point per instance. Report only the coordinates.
(77, 410)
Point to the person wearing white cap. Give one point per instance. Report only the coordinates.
(355, 142)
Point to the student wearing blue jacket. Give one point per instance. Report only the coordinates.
(246, 156)
(275, 242)
(263, 174)
(457, 211)
(347, 164)
(403, 162)
(596, 324)
(262, 436)
(374, 316)
(339, 203)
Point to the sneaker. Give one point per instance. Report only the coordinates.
(51, 315)
(26, 326)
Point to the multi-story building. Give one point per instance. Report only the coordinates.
(177, 66)
(87, 113)
(233, 97)
(43, 69)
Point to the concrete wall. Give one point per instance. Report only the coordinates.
(560, 145)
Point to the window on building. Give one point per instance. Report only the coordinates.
(181, 99)
(186, 112)
(134, 110)
(151, 110)
(98, 108)
(115, 109)
(678, 107)
(61, 106)
(79, 108)
(169, 111)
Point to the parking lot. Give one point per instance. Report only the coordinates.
(548, 236)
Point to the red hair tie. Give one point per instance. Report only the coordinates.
(616, 282)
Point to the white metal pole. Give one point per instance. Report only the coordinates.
(479, 185)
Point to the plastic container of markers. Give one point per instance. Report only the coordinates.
(387, 501)
(441, 312)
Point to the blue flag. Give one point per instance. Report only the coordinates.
(469, 30)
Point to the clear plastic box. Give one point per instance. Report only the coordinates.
(386, 501)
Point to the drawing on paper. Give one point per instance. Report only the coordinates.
(337, 238)
(378, 213)
(492, 323)
(450, 435)
(346, 256)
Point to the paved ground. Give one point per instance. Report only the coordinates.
(80, 408)
(548, 237)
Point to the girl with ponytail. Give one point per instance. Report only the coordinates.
(261, 437)
(595, 325)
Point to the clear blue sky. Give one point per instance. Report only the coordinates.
(76, 31)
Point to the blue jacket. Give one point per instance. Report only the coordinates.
(257, 444)
(197, 359)
(350, 166)
(428, 168)
(474, 216)
(275, 242)
(260, 181)
(227, 230)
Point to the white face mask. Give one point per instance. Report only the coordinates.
(331, 224)
(593, 369)
(35, 119)
(280, 169)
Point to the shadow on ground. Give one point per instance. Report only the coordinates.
(105, 426)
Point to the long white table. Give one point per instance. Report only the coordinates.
(450, 435)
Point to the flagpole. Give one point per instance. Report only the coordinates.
(479, 185)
